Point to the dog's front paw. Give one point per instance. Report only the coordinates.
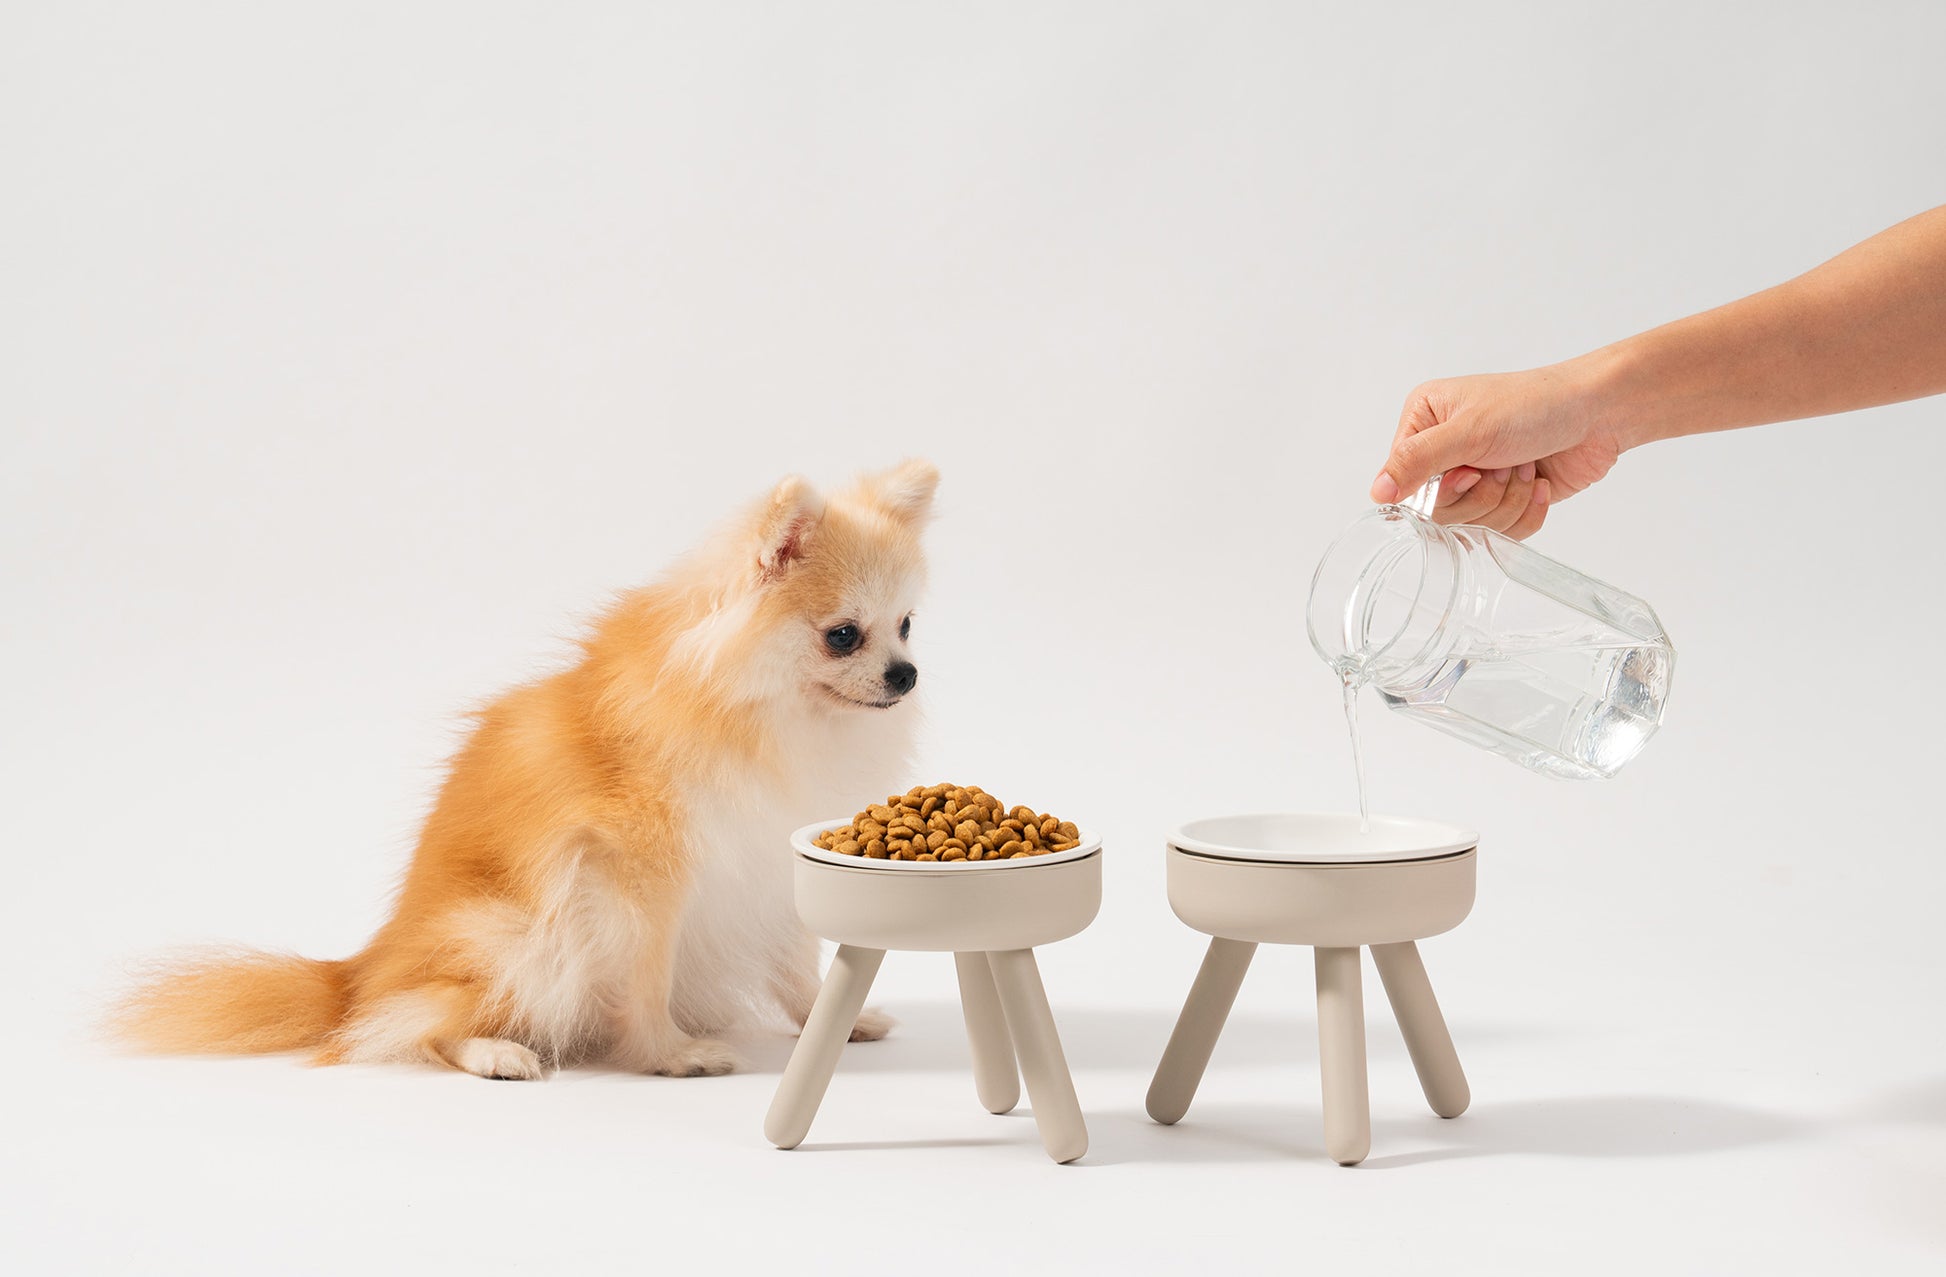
(498, 1058)
(871, 1025)
(697, 1057)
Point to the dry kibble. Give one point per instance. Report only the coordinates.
(947, 823)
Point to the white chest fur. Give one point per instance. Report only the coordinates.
(739, 921)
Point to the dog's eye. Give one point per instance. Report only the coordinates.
(905, 628)
(842, 638)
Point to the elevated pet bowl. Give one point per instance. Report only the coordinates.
(1314, 879)
(990, 914)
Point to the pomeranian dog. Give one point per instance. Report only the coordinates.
(606, 875)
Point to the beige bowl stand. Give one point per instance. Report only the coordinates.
(989, 918)
(1338, 908)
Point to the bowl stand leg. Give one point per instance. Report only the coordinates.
(1197, 1029)
(825, 1034)
(1341, 1055)
(1426, 1038)
(1030, 1022)
(996, 1079)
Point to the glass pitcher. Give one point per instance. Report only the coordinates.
(1473, 633)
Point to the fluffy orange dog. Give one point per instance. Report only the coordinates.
(606, 872)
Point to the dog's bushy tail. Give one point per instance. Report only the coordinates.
(234, 1002)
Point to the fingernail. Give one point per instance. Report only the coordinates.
(1501, 475)
(1385, 489)
(1543, 493)
(1465, 481)
(1527, 472)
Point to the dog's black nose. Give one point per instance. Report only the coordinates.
(900, 676)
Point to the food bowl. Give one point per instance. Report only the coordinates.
(1313, 878)
(953, 906)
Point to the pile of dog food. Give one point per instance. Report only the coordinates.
(949, 822)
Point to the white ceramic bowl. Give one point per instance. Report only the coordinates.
(1312, 878)
(802, 845)
(1320, 838)
(945, 905)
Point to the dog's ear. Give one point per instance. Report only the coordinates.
(785, 528)
(905, 491)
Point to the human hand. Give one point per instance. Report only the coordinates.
(1510, 445)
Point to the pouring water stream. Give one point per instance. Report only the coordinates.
(1351, 670)
(1352, 683)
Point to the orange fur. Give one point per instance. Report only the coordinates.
(604, 859)
(240, 1002)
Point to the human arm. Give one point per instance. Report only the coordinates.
(1867, 327)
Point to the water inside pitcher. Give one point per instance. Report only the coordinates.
(1473, 633)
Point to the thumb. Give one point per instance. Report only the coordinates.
(1417, 457)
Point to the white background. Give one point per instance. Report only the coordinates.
(352, 352)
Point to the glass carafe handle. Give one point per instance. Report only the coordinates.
(1425, 500)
